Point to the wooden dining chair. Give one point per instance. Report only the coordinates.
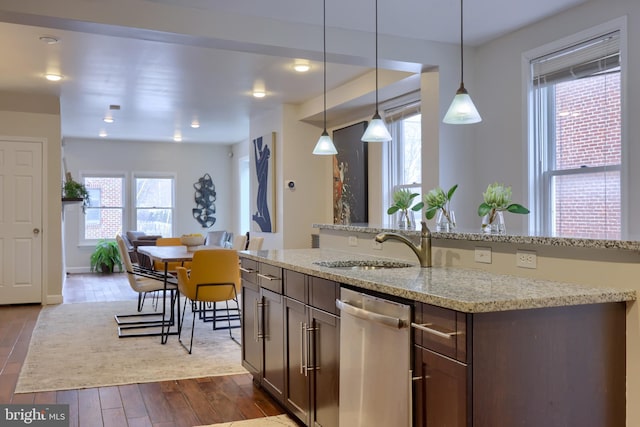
(214, 278)
(144, 281)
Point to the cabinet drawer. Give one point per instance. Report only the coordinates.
(441, 330)
(294, 285)
(249, 270)
(270, 277)
(323, 294)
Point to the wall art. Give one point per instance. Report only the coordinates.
(205, 197)
(350, 176)
(263, 195)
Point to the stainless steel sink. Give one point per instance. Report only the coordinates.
(363, 264)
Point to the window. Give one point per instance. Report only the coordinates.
(404, 152)
(575, 140)
(104, 216)
(154, 205)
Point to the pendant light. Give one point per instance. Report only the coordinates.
(324, 146)
(462, 111)
(377, 130)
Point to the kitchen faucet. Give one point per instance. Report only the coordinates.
(423, 252)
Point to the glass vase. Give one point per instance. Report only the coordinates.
(445, 219)
(493, 223)
(406, 220)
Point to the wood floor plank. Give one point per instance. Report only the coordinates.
(132, 402)
(24, 398)
(183, 415)
(139, 422)
(198, 401)
(70, 397)
(45, 397)
(114, 417)
(156, 404)
(110, 397)
(89, 413)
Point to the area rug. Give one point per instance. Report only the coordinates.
(76, 346)
(277, 421)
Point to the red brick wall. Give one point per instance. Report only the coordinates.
(111, 195)
(588, 134)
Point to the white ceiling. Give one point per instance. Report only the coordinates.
(163, 85)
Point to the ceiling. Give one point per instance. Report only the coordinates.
(163, 80)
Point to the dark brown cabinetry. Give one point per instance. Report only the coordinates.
(535, 367)
(312, 349)
(262, 325)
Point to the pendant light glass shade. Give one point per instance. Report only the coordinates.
(324, 146)
(376, 130)
(462, 110)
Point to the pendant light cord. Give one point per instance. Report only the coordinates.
(461, 44)
(376, 11)
(324, 64)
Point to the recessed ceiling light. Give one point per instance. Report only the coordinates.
(177, 137)
(259, 94)
(49, 40)
(53, 77)
(103, 134)
(195, 124)
(301, 65)
(108, 119)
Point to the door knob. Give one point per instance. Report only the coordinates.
(36, 231)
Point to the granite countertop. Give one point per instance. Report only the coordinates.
(630, 245)
(465, 290)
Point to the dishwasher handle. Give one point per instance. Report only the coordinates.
(361, 313)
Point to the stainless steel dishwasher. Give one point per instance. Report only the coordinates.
(375, 376)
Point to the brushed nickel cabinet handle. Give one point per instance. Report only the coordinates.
(247, 270)
(268, 277)
(425, 328)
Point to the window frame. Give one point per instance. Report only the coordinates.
(82, 241)
(133, 212)
(539, 153)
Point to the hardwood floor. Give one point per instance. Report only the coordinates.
(164, 404)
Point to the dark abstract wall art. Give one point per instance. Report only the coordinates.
(205, 197)
(262, 184)
(350, 176)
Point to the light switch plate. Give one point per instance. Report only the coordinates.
(353, 240)
(483, 254)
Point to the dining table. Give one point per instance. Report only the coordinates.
(166, 255)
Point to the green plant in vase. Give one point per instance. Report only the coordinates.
(438, 203)
(403, 203)
(106, 257)
(497, 199)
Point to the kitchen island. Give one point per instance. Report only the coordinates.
(507, 350)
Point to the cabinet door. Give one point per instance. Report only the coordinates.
(440, 391)
(251, 340)
(296, 353)
(273, 330)
(325, 362)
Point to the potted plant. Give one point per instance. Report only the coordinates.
(438, 202)
(106, 257)
(497, 199)
(75, 191)
(403, 202)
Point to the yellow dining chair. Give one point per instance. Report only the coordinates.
(171, 267)
(214, 277)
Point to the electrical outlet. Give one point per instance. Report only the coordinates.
(377, 245)
(526, 259)
(483, 255)
(353, 241)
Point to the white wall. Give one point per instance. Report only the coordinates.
(189, 162)
(500, 139)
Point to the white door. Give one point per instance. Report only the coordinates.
(20, 221)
